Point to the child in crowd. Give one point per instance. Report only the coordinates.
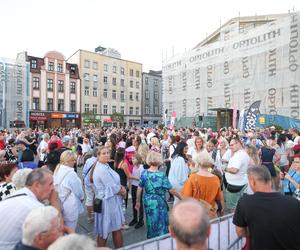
(136, 172)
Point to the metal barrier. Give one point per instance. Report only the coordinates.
(237, 244)
(222, 237)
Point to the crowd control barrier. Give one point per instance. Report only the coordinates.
(222, 237)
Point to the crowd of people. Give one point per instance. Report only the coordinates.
(56, 172)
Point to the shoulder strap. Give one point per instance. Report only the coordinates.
(289, 184)
(92, 172)
(16, 195)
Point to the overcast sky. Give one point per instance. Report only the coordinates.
(141, 30)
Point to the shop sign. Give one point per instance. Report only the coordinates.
(67, 116)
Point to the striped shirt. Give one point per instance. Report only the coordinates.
(15, 210)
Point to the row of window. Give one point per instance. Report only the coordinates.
(87, 65)
(147, 109)
(113, 109)
(50, 106)
(147, 94)
(86, 78)
(60, 85)
(155, 82)
(50, 66)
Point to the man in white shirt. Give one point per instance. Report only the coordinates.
(42, 149)
(39, 187)
(236, 173)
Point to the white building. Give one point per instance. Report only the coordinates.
(14, 91)
(247, 59)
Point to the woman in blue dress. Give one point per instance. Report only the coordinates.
(107, 187)
(155, 185)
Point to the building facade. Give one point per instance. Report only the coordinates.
(152, 98)
(110, 85)
(14, 92)
(54, 92)
(248, 59)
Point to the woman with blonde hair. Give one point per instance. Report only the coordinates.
(155, 183)
(204, 186)
(69, 188)
(223, 155)
(155, 145)
(253, 154)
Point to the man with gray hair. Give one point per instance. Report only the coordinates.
(270, 219)
(189, 225)
(38, 187)
(41, 228)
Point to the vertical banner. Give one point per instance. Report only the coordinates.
(252, 114)
(173, 118)
(234, 116)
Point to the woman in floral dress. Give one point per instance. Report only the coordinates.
(155, 185)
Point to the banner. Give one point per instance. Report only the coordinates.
(261, 63)
(251, 115)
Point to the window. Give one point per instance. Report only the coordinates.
(51, 66)
(105, 109)
(147, 95)
(122, 96)
(95, 78)
(137, 85)
(60, 105)
(131, 72)
(122, 110)
(105, 93)
(95, 92)
(50, 104)
(36, 82)
(72, 70)
(50, 85)
(122, 82)
(155, 95)
(60, 85)
(131, 110)
(95, 65)
(147, 109)
(95, 107)
(86, 63)
(114, 81)
(131, 96)
(155, 109)
(113, 109)
(105, 67)
(86, 77)
(114, 69)
(33, 64)
(86, 108)
(131, 84)
(146, 80)
(137, 96)
(137, 73)
(122, 71)
(73, 106)
(86, 91)
(73, 87)
(137, 110)
(156, 83)
(105, 79)
(36, 104)
(59, 68)
(114, 94)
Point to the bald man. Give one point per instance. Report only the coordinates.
(189, 225)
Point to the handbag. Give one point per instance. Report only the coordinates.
(97, 205)
(234, 188)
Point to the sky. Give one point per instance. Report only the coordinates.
(144, 31)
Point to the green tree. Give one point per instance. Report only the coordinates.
(118, 117)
